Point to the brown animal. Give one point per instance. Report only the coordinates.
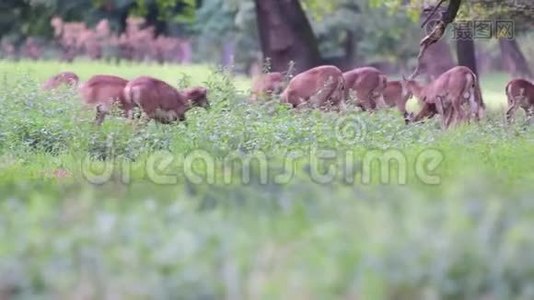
(196, 96)
(447, 95)
(520, 93)
(394, 95)
(368, 83)
(319, 87)
(162, 102)
(63, 78)
(102, 92)
(266, 85)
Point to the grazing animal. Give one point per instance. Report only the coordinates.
(368, 83)
(102, 92)
(447, 95)
(162, 102)
(520, 93)
(394, 96)
(266, 85)
(319, 87)
(196, 96)
(63, 78)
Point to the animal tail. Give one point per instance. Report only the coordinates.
(132, 96)
(470, 91)
(378, 91)
(479, 98)
(508, 91)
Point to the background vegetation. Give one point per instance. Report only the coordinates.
(347, 32)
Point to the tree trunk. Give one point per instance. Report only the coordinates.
(437, 59)
(286, 35)
(228, 53)
(344, 62)
(513, 59)
(465, 49)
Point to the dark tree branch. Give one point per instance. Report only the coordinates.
(432, 13)
(437, 32)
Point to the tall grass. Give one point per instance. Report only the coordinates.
(196, 231)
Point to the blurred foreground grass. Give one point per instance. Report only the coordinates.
(174, 216)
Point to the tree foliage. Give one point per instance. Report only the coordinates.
(383, 29)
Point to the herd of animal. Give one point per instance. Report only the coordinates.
(455, 95)
(157, 99)
(446, 96)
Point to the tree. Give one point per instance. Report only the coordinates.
(436, 59)
(25, 18)
(465, 47)
(437, 32)
(286, 35)
(513, 58)
(465, 50)
(517, 10)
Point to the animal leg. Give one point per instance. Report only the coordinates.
(101, 113)
(378, 100)
(511, 111)
(457, 111)
(441, 111)
(474, 106)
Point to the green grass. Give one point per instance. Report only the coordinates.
(174, 218)
(42, 70)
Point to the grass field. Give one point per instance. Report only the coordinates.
(255, 201)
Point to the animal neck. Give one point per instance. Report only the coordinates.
(189, 104)
(416, 89)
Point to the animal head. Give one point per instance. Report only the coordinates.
(66, 78)
(275, 82)
(408, 85)
(408, 117)
(268, 84)
(197, 96)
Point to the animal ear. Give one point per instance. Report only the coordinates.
(197, 92)
(203, 91)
